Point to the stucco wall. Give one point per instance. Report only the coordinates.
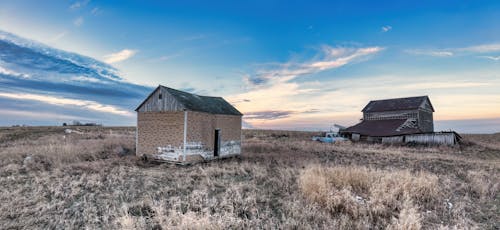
(159, 129)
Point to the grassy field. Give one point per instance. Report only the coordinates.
(53, 180)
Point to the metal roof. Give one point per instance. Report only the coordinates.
(193, 102)
(407, 103)
(381, 128)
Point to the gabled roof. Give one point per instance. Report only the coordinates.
(407, 103)
(193, 102)
(381, 128)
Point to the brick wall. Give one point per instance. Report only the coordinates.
(159, 129)
(201, 128)
(230, 127)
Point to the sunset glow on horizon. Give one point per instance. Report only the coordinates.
(285, 65)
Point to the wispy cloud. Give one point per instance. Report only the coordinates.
(166, 57)
(341, 100)
(329, 58)
(386, 28)
(485, 48)
(494, 58)
(267, 115)
(119, 56)
(79, 4)
(13, 73)
(38, 115)
(434, 53)
(87, 79)
(448, 52)
(86, 104)
(273, 86)
(96, 11)
(58, 36)
(275, 114)
(78, 21)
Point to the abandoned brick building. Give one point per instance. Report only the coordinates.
(177, 126)
(391, 119)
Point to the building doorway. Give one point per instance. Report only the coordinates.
(217, 143)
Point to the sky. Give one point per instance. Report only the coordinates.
(299, 65)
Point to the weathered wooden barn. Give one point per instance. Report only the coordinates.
(181, 127)
(399, 120)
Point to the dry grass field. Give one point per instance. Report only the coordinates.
(53, 180)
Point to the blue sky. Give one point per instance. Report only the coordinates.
(289, 64)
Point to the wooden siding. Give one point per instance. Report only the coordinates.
(426, 106)
(392, 140)
(433, 138)
(423, 116)
(166, 103)
(355, 137)
(425, 121)
(402, 114)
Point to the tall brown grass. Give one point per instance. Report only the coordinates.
(50, 179)
(371, 198)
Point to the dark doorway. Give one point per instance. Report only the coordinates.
(217, 143)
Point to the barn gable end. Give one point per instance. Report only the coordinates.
(160, 100)
(395, 117)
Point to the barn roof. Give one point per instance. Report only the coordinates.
(406, 103)
(381, 128)
(193, 102)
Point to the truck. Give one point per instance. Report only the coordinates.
(329, 138)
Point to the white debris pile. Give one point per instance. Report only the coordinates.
(28, 160)
(68, 131)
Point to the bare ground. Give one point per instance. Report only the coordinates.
(53, 180)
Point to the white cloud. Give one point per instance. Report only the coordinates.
(78, 21)
(386, 28)
(494, 58)
(87, 79)
(485, 48)
(434, 53)
(86, 104)
(38, 115)
(340, 100)
(448, 52)
(341, 56)
(119, 56)
(329, 58)
(96, 11)
(58, 36)
(13, 73)
(79, 4)
(273, 87)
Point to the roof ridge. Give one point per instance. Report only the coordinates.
(389, 99)
(392, 104)
(195, 102)
(187, 92)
